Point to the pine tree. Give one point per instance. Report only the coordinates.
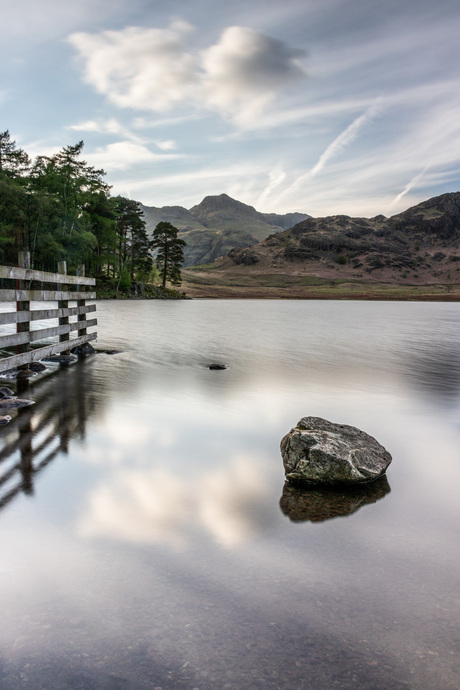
(170, 254)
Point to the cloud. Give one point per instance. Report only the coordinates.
(138, 68)
(343, 140)
(276, 178)
(167, 145)
(124, 154)
(410, 185)
(151, 69)
(245, 71)
(110, 126)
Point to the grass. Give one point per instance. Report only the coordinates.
(279, 286)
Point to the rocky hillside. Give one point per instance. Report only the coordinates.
(217, 225)
(420, 245)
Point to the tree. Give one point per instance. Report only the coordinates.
(14, 162)
(133, 242)
(170, 255)
(68, 195)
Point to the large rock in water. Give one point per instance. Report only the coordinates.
(319, 452)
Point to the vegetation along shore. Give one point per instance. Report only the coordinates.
(60, 208)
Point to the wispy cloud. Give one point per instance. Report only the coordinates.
(344, 139)
(125, 154)
(276, 178)
(167, 145)
(410, 185)
(110, 126)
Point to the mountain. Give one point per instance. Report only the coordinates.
(419, 246)
(217, 225)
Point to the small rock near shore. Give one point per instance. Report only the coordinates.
(6, 393)
(217, 367)
(10, 403)
(5, 420)
(24, 374)
(37, 367)
(317, 451)
(83, 350)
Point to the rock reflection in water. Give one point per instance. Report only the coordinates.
(317, 504)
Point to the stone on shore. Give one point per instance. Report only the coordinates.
(317, 451)
(5, 420)
(6, 392)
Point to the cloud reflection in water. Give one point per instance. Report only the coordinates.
(159, 506)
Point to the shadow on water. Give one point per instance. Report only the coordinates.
(39, 433)
(317, 504)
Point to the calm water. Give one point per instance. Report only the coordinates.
(149, 543)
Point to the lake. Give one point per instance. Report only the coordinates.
(148, 541)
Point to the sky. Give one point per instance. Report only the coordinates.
(317, 106)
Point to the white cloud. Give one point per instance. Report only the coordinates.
(151, 69)
(138, 68)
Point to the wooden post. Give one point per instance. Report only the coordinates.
(63, 304)
(81, 302)
(24, 327)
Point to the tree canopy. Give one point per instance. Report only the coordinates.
(59, 207)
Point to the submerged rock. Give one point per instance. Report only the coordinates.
(9, 403)
(320, 503)
(61, 359)
(217, 367)
(320, 452)
(6, 393)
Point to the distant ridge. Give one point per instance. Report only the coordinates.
(420, 245)
(218, 224)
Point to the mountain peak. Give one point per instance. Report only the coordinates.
(219, 203)
(218, 224)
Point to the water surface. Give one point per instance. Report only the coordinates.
(147, 539)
